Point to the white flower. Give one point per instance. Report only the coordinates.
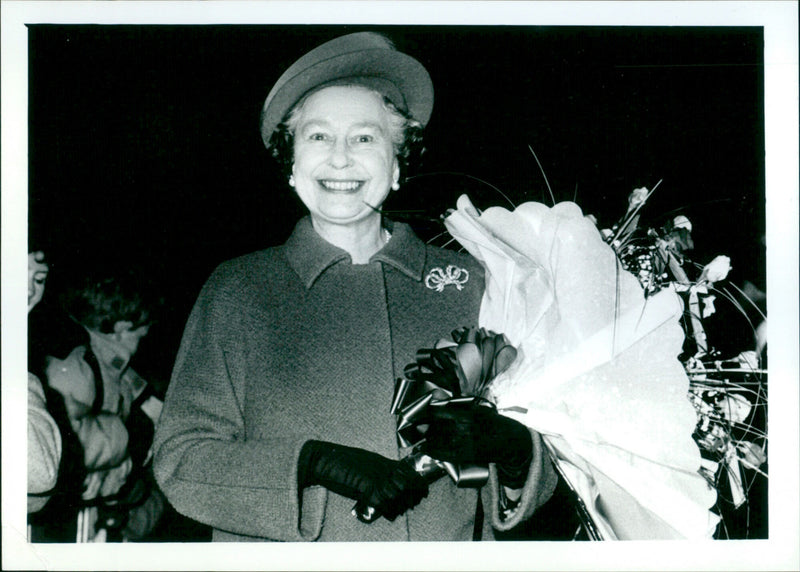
(717, 269)
(735, 408)
(708, 306)
(752, 454)
(637, 198)
(681, 221)
(748, 359)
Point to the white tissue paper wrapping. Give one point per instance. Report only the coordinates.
(598, 371)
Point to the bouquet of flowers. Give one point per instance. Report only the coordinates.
(728, 393)
(596, 373)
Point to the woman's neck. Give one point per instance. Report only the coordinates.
(361, 240)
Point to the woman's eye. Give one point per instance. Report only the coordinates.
(364, 138)
(317, 137)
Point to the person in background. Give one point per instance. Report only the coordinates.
(44, 438)
(110, 407)
(277, 419)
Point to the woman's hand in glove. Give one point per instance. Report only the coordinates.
(468, 433)
(389, 486)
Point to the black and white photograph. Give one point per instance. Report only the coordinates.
(333, 277)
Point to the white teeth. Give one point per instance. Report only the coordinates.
(341, 185)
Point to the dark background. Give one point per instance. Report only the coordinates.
(144, 148)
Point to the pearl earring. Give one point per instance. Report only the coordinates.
(395, 186)
(291, 180)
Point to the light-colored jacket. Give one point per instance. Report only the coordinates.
(102, 434)
(44, 447)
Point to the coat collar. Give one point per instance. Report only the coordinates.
(310, 255)
(108, 351)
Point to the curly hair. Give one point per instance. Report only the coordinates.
(99, 302)
(406, 134)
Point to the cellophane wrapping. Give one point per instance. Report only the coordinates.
(597, 373)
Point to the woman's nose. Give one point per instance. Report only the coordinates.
(340, 154)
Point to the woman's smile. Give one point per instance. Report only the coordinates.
(341, 186)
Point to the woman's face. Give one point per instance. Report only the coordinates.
(344, 161)
(37, 276)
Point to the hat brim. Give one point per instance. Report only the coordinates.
(381, 69)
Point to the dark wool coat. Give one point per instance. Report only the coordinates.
(295, 343)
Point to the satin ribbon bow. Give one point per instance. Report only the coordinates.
(456, 371)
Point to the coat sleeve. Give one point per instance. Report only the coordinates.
(44, 446)
(103, 436)
(104, 439)
(539, 487)
(204, 462)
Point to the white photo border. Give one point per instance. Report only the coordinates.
(780, 552)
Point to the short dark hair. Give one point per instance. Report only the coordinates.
(408, 147)
(98, 302)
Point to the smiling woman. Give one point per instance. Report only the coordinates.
(155, 152)
(277, 418)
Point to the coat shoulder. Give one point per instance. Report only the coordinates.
(245, 274)
(249, 266)
(72, 377)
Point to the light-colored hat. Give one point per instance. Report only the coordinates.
(364, 58)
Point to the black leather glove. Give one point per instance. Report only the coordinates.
(475, 434)
(389, 486)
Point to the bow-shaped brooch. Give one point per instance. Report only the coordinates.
(437, 278)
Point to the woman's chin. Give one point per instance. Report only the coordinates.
(344, 216)
(345, 212)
